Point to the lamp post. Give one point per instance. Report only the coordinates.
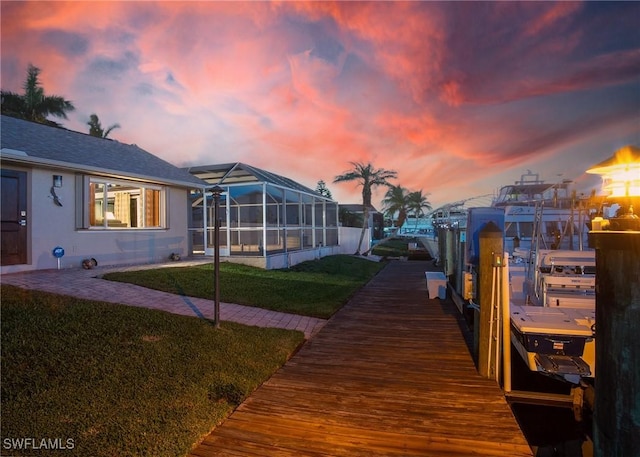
(216, 191)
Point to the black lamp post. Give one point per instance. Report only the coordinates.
(216, 191)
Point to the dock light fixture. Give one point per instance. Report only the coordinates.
(617, 245)
(621, 181)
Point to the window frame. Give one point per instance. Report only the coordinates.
(140, 189)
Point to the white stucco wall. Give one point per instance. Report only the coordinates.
(50, 225)
(350, 237)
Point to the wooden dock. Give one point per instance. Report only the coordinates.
(390, 374)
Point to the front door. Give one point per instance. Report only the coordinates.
(13, 219)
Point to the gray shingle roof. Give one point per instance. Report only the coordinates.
(75, 150)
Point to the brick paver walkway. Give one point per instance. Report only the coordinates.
(88, 284)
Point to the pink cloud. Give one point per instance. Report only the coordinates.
(447, 94)
(549, 18)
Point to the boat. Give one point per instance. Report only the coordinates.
(551, 273)
(554, 331)
(562, 278)
(549, 215)
(555, 341)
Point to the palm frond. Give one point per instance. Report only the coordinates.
(109, 129)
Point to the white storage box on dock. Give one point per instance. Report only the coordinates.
(436, 284)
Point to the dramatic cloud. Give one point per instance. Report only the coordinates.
(457, 97)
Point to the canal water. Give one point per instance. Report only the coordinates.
(550, 431)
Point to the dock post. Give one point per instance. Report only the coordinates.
(449, 257)
(616, 418)
(505, 308)
(491, 246)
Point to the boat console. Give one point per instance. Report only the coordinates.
(566, 279)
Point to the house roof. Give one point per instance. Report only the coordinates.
(241, 173)
(356, 207)
(32, 143)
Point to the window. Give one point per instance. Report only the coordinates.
(121, 204)
(292, 208)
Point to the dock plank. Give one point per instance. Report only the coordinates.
(389, 374)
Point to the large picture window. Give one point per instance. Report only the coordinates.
(121, 204)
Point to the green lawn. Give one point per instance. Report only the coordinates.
(111, 380)
(316, 288)
(393, 247)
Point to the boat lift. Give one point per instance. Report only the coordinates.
(493, 332)
(500, 352)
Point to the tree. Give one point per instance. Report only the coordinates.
(416, 203)
(34, 105)
(396, 203)
(368, 177)
(321, 188)
(95, 128)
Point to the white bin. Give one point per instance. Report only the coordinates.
(436, 284)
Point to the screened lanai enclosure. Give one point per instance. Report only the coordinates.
(265, 219)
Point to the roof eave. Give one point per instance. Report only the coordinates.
(15, 157)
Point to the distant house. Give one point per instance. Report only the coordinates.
(352, 216)
(266, 219)
(92, 197)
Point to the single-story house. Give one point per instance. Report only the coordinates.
(68, 196)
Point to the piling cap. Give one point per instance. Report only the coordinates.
(490, 227)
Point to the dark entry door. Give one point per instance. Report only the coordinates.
(13, 217)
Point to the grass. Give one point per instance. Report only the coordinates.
(316, 288)
(393, 247)
(125, 381)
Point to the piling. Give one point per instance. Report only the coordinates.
(491, 248)
(616, 419)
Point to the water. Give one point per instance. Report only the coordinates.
(550, 431)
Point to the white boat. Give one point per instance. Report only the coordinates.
(555, 331)
(562, 278)
(545, 214)
(552, 279)
(557, 341)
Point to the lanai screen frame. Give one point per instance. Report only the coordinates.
(288, 219)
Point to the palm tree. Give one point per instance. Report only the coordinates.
(396, 203)
(417, 203)
(95, 128)
(34, 105)
(368, 177)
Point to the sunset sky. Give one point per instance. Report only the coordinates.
(457, 97)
